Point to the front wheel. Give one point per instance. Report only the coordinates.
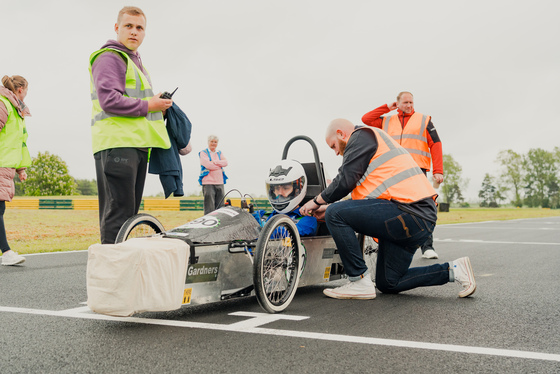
(139, 226)
(277, 264)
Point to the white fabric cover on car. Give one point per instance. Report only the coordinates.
(139, 275)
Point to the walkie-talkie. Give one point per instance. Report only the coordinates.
(167, 95)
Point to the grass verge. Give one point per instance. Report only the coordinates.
(36, 231)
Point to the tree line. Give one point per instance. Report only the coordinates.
(48, 176)
(530, 179)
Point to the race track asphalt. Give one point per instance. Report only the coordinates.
(510, 325)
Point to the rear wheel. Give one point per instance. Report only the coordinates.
(139, 226)
(277, 264)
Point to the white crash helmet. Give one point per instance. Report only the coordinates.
(286, 185)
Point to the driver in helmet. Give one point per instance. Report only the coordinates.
(286, 186)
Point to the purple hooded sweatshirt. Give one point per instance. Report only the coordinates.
(109, 77)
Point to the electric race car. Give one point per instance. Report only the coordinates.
(231, 255)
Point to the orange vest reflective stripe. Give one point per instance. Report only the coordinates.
(414, 136)
(392, 174)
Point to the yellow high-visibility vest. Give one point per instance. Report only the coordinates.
(13, 139)
(109, 130)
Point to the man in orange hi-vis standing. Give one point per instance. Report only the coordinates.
(416, 133)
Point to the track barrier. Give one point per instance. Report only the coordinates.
(147, 204)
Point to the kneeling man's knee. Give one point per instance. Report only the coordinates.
(385, 287)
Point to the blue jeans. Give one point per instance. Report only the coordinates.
(399, 234)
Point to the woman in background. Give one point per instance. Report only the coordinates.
(212, 176)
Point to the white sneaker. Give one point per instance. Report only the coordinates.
(463, 274)
(12, 258)
(360, 289)
(430, 253)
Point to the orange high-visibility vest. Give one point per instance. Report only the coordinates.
(392, 174)
(414, 136)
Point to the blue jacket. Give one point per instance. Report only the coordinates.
(167, 162)
(306, 225)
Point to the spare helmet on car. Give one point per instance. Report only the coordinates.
(286, 185)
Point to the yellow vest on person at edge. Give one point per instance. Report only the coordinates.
(392, 174)
(413, 137)
(13, 138)
(109, 130)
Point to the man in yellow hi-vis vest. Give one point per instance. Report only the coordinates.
(127, 121)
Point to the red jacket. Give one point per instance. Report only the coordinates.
(375, 119)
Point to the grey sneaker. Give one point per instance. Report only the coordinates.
(430, 254)
(360, 289)
(463, 274)
(12, 258)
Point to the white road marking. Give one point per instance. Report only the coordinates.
(258, 319)
(501, 228)
(491, 242)
(54, 253)
(502, 221)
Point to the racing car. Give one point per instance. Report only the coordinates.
(231, 255)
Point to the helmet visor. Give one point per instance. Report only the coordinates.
(280, 193)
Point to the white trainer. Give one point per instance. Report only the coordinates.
(430, 253)
(12, 258)
(360, 289)
(463, 274)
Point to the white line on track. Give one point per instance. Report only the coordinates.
(491, 242)
(499, 228)
(257, 319)
(55, 253)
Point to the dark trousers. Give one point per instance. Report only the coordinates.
(3, 238)
(213, 197)
(429, 243)
(121, 174)
(399, 235)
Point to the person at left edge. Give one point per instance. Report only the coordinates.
(14, 155)
(127, 120)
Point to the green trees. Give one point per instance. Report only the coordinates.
(489, 194)
(48, 176)
(512, 173)
(535, 175)
(87, 187)
(541, 178)
(453, 182)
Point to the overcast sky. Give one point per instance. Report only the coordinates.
(256, 73)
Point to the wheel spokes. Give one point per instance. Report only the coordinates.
(279, 265)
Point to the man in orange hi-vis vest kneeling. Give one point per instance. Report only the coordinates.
(393, 201)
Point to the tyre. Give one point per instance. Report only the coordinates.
(139, 226)
(277, 264)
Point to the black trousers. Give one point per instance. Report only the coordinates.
(3, 239)
(429, 244)
(121, 174)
